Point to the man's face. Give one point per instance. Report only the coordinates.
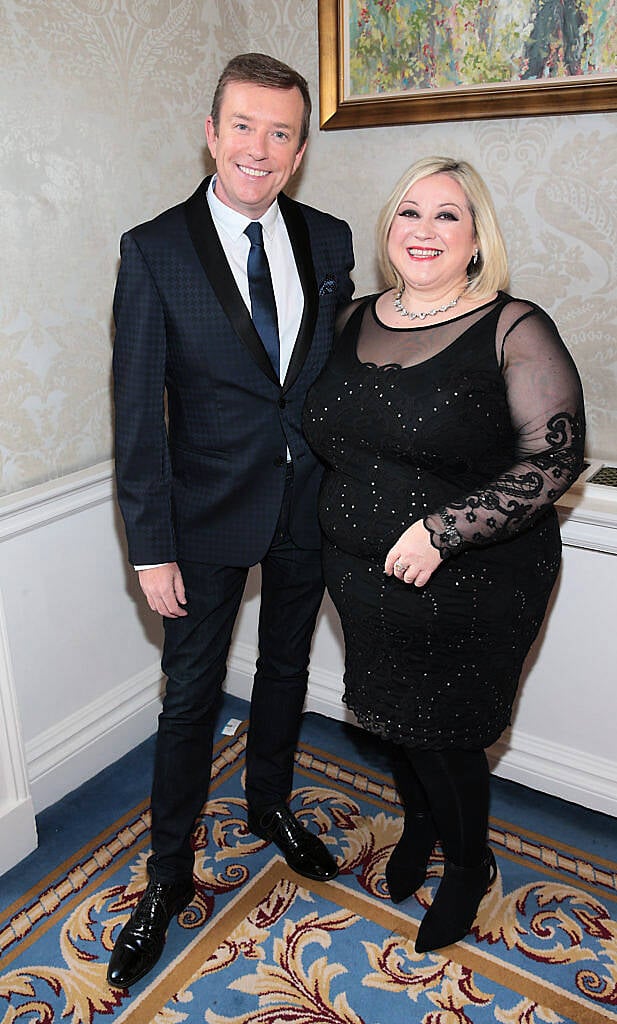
(256, 146)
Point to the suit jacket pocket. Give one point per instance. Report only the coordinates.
(198, 466)
(210, 453)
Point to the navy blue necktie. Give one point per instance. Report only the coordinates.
(263, 305)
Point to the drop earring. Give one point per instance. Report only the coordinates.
(475, 257)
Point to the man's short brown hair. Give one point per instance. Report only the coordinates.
(260, 69)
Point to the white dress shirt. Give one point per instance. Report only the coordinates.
(288, 295)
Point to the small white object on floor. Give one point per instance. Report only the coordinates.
(232, 727)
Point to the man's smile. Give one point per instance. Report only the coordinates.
(254, 172)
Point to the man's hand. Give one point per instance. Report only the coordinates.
(164, 589)
(413, 559)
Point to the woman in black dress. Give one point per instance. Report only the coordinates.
(450, 419)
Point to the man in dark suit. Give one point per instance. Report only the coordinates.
(225, 309)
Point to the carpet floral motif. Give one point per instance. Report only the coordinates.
(278, 948)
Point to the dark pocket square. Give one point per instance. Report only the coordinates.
(327, 286)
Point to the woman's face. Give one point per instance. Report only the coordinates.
(432, 237)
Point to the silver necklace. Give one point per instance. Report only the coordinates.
(400, 308)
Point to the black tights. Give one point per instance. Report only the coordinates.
(453, 787)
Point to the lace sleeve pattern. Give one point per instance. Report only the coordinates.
(545, 402)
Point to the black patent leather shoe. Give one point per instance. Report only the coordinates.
(141, 941)
(303, 851)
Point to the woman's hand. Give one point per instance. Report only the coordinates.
(413, 559)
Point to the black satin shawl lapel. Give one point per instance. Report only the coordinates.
(299, 237)
(205, 239)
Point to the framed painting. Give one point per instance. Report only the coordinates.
(408, 61)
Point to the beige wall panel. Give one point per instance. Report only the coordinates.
(103, 128)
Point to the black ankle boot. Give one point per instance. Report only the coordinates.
(456, 903)
(406, 868)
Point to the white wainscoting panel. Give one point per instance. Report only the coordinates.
(17, 823)
(120, 718)
(79, 657)
(79, 661)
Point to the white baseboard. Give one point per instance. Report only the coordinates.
(19, 835)
(68, 754)
(65, 756)
(570, 774)
(560, 771)
(17, 823)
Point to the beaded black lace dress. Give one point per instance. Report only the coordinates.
(475, 426)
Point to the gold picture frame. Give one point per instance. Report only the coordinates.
(340, 109)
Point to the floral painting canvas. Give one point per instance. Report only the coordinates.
(397, 46)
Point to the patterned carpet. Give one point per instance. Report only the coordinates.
(278, 948)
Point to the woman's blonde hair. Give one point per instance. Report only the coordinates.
(490, 273)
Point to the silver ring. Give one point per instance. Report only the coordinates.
(400, 566)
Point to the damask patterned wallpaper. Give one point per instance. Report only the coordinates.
(102, 127)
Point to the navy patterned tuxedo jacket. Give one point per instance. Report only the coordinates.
(202, 423)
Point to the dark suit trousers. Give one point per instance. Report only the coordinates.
(194, 660)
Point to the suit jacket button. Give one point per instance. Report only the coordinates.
(282, 403)
(279, 461)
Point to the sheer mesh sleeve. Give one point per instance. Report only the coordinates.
(344, 314)
(545, 401)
